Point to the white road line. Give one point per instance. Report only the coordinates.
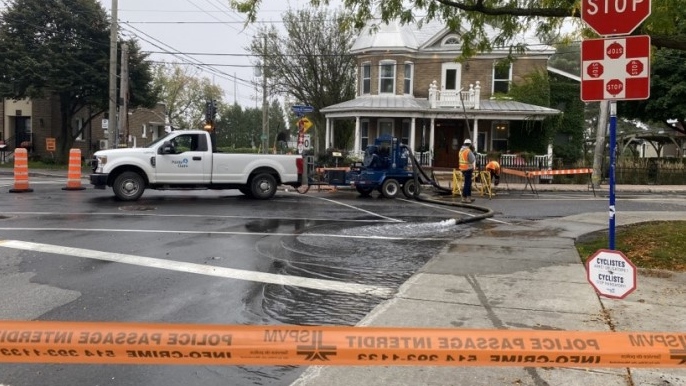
(356, 208)
(318, 284)
(203, 216)
(141, 231)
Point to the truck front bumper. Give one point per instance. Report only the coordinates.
(99, 180)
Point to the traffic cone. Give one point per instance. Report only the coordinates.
(74, 173)
(21, 171)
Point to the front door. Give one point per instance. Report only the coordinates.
(449, 138)
(22, 132)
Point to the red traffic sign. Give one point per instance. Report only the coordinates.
(615, 68)
(611, 273)
(614, 17)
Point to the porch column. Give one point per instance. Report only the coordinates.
(475, 138)
(432, 136)
(327, 135)
(358, 140)
(413, 130)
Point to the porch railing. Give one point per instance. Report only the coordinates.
(455, 99)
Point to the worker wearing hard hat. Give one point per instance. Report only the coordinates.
(493, 169)
(467, 163)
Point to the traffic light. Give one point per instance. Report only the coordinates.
(210, 115)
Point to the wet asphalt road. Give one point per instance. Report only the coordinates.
(169, 239)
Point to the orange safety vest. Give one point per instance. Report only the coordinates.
(464, 159)
(493, 165)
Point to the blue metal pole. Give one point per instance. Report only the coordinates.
(613, 146)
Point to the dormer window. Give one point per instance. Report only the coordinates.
(452, 40)
(387, 78)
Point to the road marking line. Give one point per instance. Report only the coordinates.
(203, 216)
(231, 233)
(356, 208)
(269, 278)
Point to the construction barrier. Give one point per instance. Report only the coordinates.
(21, 171)
(284, 345)
(481, 183)
(74, 172)
(559, 172)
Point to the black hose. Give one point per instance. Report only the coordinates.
(417, 170)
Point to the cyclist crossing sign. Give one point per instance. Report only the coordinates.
(611, 273)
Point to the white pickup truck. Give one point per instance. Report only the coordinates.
(184, 159)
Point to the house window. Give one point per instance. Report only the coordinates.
(364, 134)
(502, 75)
(387, 78)
(366, 86)
(451, 76)
(77, 128)
(407, 85)
(145, 131)
(452, 40)
(405, 135)
(385, 127)
(500, 131)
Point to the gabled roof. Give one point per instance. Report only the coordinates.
(418, 36)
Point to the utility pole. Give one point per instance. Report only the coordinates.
(124, 96)
(599, 152)
(111, 119)
(265, 116)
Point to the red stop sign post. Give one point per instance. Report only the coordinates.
(614, 17)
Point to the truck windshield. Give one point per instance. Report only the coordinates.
(158, 140)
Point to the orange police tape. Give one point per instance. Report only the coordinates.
(186, 344)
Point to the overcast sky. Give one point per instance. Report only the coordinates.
(197, 27)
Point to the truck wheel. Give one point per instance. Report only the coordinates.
(263, 186)
(128, 186)
(390, 188)
(409, 187)
(364, 192)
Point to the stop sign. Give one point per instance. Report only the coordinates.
(614, 17)
(611, 273)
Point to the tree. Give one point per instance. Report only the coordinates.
(667, 92)
(61, 49)
(512, 18)
(311, 63)
(185, 95)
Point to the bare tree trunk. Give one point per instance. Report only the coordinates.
(599, 144)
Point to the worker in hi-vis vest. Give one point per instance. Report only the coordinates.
(467, 163)
(493, 169)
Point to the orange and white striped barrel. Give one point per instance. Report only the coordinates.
(74, 172)
(21, 171)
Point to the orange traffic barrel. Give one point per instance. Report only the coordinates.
(74, 173)
(21, 171)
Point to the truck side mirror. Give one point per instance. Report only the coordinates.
(167, 148)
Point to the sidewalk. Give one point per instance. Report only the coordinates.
(529, 277)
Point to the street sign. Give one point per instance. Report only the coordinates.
(305, 124)
(615, 68)
(299, 110)
(614, 17)
(611, 273)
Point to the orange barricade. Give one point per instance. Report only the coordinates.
(74, 173)
(21, 171)
(558, 172)
(286, 345)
